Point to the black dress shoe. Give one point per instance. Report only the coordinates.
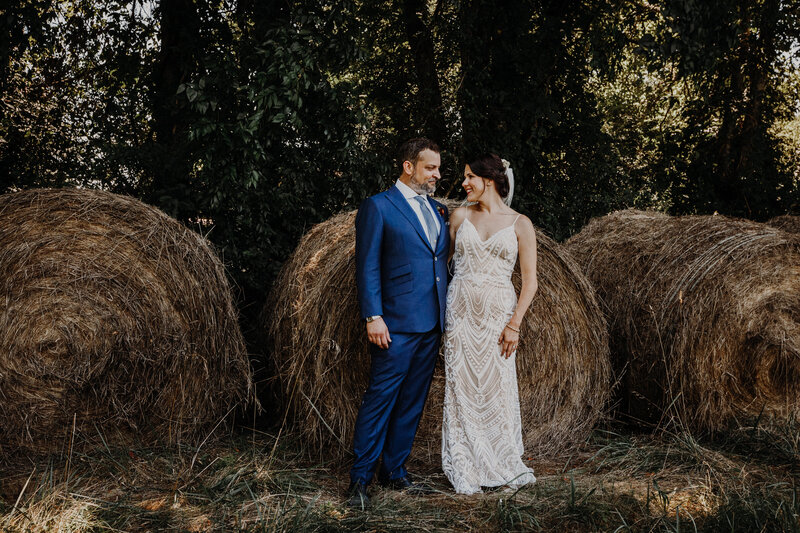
(358, 496)
(406, 485)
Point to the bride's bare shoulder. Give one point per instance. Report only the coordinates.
(524, 227)
(458, 214)
(522, 220)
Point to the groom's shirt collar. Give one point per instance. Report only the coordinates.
(408, 192)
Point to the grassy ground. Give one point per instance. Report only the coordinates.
(744, 480)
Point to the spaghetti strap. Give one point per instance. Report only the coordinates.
(515, 220)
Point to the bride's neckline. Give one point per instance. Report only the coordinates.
(493, 235)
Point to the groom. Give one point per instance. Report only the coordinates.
(402, 243)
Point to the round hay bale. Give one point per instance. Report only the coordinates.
(114, 317)
(790, 223)
(703, 314)
(320, 349)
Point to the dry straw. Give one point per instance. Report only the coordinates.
(114, 317)
(790, 223)
(703, 314)
(320, 350)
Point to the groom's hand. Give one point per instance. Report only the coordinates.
(378, 333)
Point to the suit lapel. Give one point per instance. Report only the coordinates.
(396, 197)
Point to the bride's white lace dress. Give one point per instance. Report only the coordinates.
(481, 430)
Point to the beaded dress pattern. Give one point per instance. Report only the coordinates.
(481, 428)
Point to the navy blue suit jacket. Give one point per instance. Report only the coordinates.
(398, 275)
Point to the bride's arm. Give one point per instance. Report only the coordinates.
(456, 218)
(526, 236)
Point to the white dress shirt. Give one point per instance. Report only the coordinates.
(409, 195)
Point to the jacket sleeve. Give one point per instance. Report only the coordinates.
(369, 240)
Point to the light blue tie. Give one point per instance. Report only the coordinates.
(426, 214)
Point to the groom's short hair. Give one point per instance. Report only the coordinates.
(410, 150)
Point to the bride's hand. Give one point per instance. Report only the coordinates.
(509, 340)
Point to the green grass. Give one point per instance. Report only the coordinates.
(742, 480)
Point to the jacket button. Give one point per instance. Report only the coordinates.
(435, 258)
(437, 278)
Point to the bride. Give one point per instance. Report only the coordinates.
(481, 429)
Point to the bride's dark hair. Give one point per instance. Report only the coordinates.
(490, 166)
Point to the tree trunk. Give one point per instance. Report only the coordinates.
(725, 179)
(760, 57)
(743, 121)
(727, 194)
(429, 93)
(181, 47)
(475, 23)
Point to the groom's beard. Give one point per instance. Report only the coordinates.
(421, 188)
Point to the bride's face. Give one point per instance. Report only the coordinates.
(473, 185)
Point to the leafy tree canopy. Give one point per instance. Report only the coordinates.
(251, 120)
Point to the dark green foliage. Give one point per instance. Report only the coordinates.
(75, 108)
(273, 144)
(734, 54)
(524, 96)
(251, 120)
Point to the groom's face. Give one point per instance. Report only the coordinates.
(426, 172)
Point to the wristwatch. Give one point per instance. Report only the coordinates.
(373, 317)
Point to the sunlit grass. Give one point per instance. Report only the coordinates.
(743, 480)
